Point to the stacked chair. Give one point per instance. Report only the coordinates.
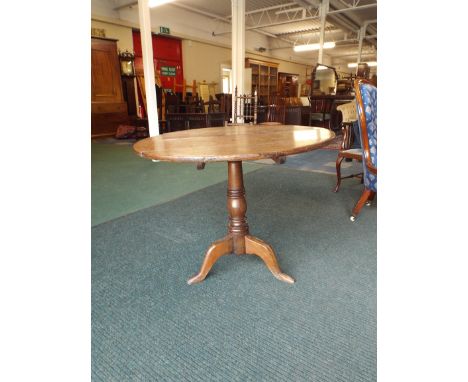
(192, 113)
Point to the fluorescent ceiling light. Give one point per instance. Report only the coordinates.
(157, 3)
(321, 67)
(303, 48)
(354, 64)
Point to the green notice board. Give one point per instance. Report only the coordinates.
(168, 71)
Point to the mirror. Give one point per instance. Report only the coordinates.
(363, 70)
(323, 79)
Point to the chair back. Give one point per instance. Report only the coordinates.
(194, 105)
(276, 111)
(348, 111)
(172, 103)
(245, 108)
(366, 105)
(196, 120)
(293, 115)
(321, 105)
(225, 103)
(176, 122)
(217, 119)
(214, 106)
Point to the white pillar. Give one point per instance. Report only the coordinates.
(362, 33)
(148, 66)
(323, 16)
(238, 47)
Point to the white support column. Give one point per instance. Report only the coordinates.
(323, 16)
(238, 47)
(148, 67)
(362, 33)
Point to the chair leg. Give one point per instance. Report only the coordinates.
(363, 199)
(370, 199)
(338, 172)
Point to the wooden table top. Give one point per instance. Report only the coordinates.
(233, 143)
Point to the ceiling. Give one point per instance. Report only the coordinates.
(291, 22)
(294, 22)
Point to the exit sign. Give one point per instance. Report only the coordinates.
(164, 30)
(169, 71)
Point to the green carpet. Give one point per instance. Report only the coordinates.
(240, 324)
(123, 183)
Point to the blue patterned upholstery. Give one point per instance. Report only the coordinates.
(369, 100)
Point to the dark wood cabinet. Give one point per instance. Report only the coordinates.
(108, 108)
(288, 84)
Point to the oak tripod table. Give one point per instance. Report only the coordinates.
(235, 144)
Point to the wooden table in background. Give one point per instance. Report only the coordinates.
(235, 144)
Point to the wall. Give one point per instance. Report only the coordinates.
(121, 33)
(202, 62)
(198, 67)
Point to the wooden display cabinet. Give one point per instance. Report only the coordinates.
(288, 84)
(108, 107)
(264, 79)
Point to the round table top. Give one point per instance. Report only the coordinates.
(233, 143)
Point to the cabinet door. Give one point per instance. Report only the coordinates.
(105, 72)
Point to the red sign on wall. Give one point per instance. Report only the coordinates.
(167, 53)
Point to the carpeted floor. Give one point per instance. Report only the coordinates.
(336, 143)
(323, 161)
(123, 183)
(240, 324)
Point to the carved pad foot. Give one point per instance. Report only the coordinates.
(216, 250)
(263, 250)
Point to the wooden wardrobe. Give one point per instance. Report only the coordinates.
(108, 108)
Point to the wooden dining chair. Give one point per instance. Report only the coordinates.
(225, 103)
(245, 108)
(320, 111)
(366, 103)
(217, 119)
(172, 103)
(349, 117)
(275, 112)
(196, 120)
(293, 115)
(176, 122)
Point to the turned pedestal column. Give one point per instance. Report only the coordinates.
(238, 240)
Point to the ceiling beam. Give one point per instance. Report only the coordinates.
(342, 10)
(223, 19)
(275, 23)
(272, 8)
(308, 4)
(127, 5)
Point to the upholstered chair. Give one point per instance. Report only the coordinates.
(366, 104)
(349, 119)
